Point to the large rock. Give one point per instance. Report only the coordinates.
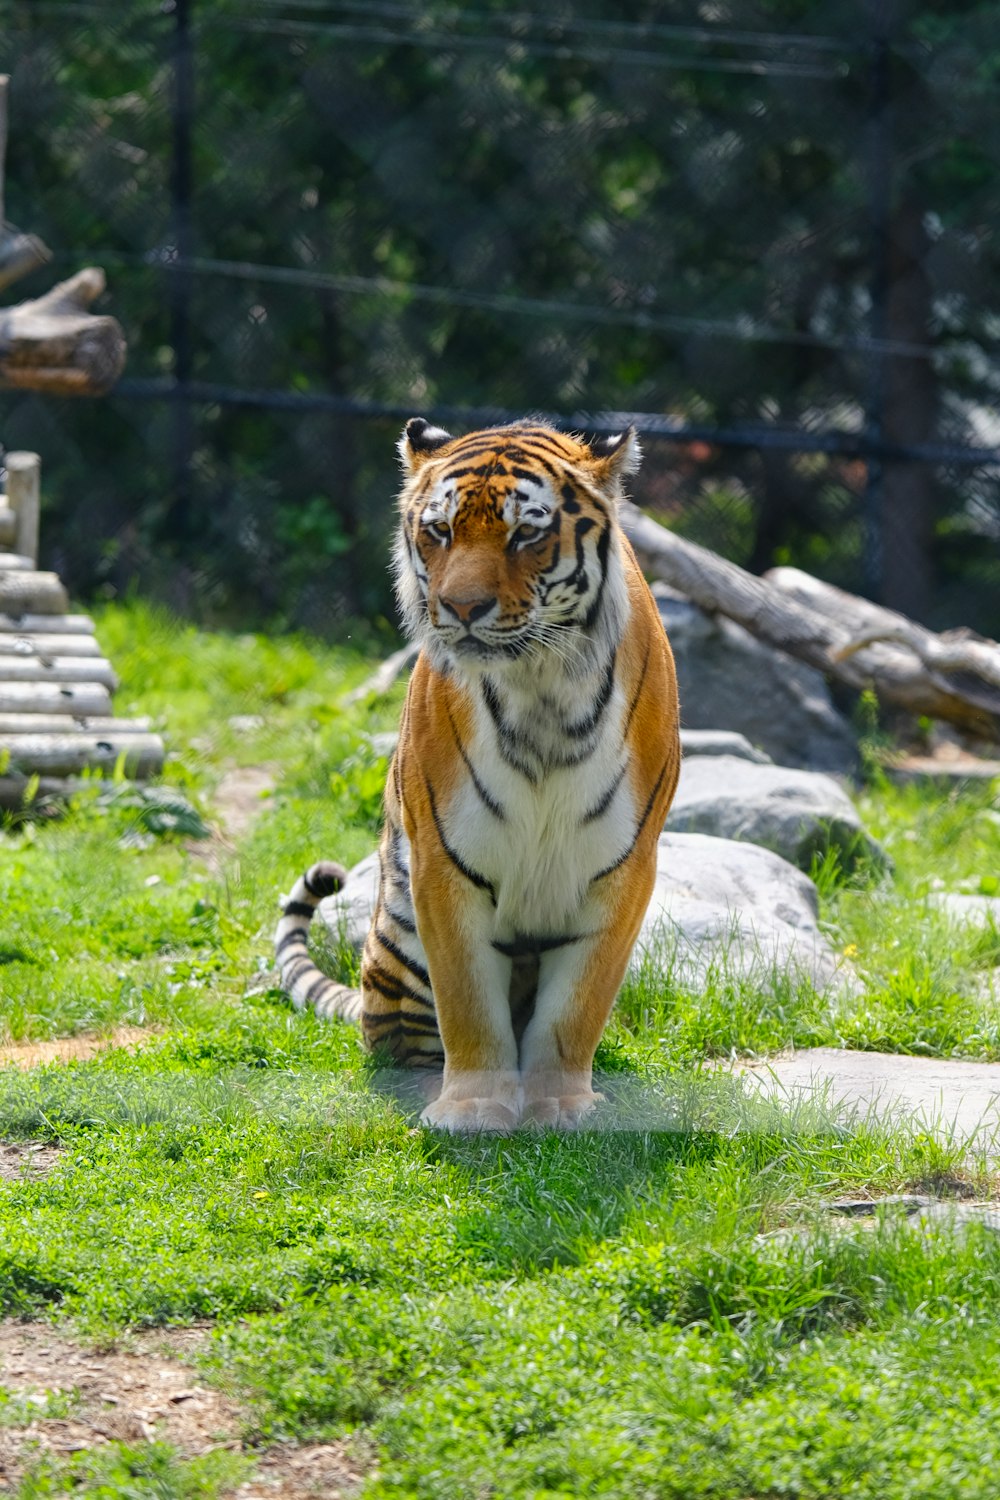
(798, 814)
(730, 680)
(733, 911)
(737, 912)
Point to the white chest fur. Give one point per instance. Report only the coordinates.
(550, 805)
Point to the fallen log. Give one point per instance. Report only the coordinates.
(55, 344)
(382, 679)
(954, 676)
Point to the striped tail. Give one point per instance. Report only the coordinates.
(307, 986)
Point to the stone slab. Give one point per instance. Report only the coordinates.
(953, 1099)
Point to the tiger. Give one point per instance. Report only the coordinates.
(537, 758)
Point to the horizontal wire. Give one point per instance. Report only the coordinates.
(573, 25)
(742, 330)
(111, 10)
(646, 424)
(758, 68)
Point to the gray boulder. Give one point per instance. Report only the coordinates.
(736, 912)
(798, 814)
(732, 911)
(721, 742)
(730, 680)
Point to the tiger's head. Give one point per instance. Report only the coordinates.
(509, 539)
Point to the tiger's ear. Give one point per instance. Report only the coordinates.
(419, 442)
(615, 455)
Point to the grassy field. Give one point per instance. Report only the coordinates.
(633, 1313)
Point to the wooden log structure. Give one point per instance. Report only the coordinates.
(56, 719)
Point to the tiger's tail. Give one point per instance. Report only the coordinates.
(307, 986)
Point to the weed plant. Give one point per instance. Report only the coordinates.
(663, 1306)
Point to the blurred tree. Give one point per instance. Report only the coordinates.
(601, 206)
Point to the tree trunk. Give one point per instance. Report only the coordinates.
(911, 409)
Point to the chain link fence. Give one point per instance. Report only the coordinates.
(773, 250)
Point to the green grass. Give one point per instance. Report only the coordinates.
(660, 1308)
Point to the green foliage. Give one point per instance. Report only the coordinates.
(134, 1471)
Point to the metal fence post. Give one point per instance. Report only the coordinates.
(181, 192)
(879, 209)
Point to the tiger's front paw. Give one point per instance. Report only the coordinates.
(467, 1116)
(561, 1111)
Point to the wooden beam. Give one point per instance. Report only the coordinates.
(54, 698)
(61, 669)
(68, 723)
(32, 593)
(24, 496)
(46, 644)
(39, 624)
(69, 754)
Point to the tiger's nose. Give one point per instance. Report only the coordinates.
(469, 609)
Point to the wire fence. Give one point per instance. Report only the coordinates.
(772, 251)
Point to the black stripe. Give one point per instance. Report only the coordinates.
(400, 918)
(420, 1030)
(296, 936)
(299, 909)
(395, 858)
(602, 806)
(642, 823)
(524, 945)
(585, 727)
(473, 876)
(603, 546)
(319, 984)
(506, 735)
(401, 957)
(638, 692)
(296, 967)
(489, 802)
(376, 1020)
(392, 988)
(429, 1058)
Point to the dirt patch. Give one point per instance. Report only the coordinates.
(26, 1159)
(238, 802)
(239, 798)
(141, 1393)
(70, 1048)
